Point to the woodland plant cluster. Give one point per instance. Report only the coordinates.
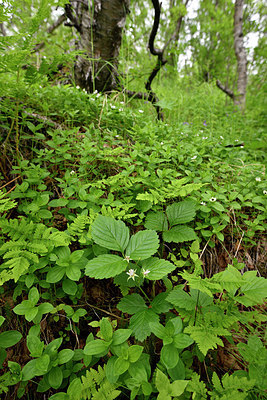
(131, 250)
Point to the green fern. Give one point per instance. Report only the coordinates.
(28, 242)
(79, 228)
(6, 204)
(206, 337)
(231, 387)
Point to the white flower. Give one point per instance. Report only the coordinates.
(201, 130)
(204, 137)
(98, 95)
(182, 133)
(92, 99)
(141, 111)
(95, 92)
(117, 135)
(120, 109)
(258, 179)
(197, 134)
(193, 158)
(241, 147)
(72, 172)
(265, 192)
(84, 90)
(132, 274)
(222, 137)
(145, 272)
(121, 102)
(203, 203)
(161, 143)
(112, 106)
(236, 140)
(127, 258)
(77, 87)
(213, 199)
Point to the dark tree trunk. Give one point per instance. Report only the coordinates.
(99, 24)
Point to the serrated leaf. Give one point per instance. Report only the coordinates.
(110, 233)
(105, 266)
(139, 323)
(142, 245)
(158, 268)
(156, 221)
(179, 234)
(255, 291)
(159, 304)
(132, 304)
(206, 337)
(181, 213)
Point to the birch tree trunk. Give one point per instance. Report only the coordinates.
(240, 52)
(99, 24)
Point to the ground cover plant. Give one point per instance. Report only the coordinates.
(132, 250)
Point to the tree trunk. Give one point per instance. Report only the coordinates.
(240, 52)
(100, 24)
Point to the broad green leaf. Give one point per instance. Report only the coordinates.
(120, 336)
(179, 234)
(96, 347)
(35, 346)
(181, 213)
(111, 372)
(159, 304)
(55, 274)
(23, 307)
(45, 308)
(181, 341)
(178, 387)
(74, 389)
(105, 266)
(156, 221)
(69, 287)
(31, 314)
(65, 355)
(42, 364)
(132, 303)
(169, 355)
(73, 272)
(157, 268)
(121, 365)
(162, 382)
(106, 329)
(255, 290)
(29, 370)
(142, 245)
(139, 323)
(134, 353)
(34, 295)
(110, 233)
(157, 329)
(58, 202)
(55, 377)
(9, 338)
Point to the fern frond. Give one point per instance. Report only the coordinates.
(6, 204)
(206, 337)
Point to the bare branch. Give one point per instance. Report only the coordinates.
(73, 18)
(50, 30)
(176, 33)
(225, 89)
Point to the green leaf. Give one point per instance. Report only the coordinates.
(179, 234)
(157, 268)
(158, 329)
(156, 221)
(35, 346)
(65, 356)
(181, 341)
(169, 355)
(55, 274)
(181, 213)
(73, 272)
(206, 337)
(178, 387)
(9, 338)
(121, 365)
(58, 202)
(110, 233)
(106, 329)
(120, 336)
(29, 370)
(139, 323)
(159, 304)
(42, 364)
(142, 245)
(162, 382)
(105, 266)
(132, 303)
(55, 377)
(96, 347)
(69, 287)
(23, 307)
(134, 353)
(255, 290)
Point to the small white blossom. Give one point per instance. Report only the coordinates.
(258, 179)
(95, 92)
(121, 102)
(141, 111)
(193, 158)
(112, 106)
(203, 203)
(145, 272)
(204, 137)
(182, 133)
(222, 137)
(132, 274)
(236, 140)
(98, 95)
(92, 99)
(161, 143)
(241, 147)
(213, 199)
(117, 135)
(201, 130)
(120, 109)
(265, 192)
(84, 90)
(72, 172)
(127, 258)
(77, 87)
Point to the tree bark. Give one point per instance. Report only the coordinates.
(240, 52)
(99, 24)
